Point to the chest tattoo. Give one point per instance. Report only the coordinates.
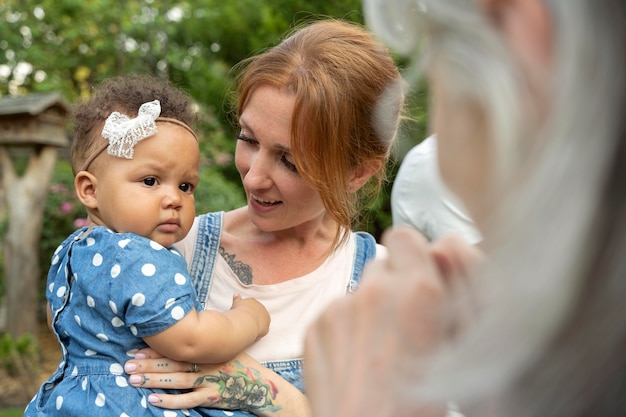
(243, 271)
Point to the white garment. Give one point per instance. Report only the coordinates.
(293, 305)
(419, 197)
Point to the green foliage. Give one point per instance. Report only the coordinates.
(215, 193)
(12, 412)
(69, 46)
(19, 356)
(20, 359)
(192, 43)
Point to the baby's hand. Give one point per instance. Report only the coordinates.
(256, 310)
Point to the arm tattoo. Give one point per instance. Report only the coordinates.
(243, 389)
(243, 271)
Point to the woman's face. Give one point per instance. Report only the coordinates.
(278, 198)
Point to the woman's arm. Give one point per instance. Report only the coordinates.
(240, 384)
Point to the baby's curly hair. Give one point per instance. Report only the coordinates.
(124, 94)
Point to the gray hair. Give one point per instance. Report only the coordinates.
(551, 333)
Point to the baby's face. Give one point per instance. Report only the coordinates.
(152, 193)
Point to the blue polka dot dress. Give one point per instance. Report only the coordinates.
(108, 290)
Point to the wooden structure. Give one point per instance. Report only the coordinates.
(34, 127)
(33, 120)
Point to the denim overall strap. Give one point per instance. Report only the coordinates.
(365, 250)
(205, 253)
(291, 369)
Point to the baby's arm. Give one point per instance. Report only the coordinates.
(210, 336)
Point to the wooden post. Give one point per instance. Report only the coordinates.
(36, 126)
(25, 199)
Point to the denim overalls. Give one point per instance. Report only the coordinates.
(203, 264)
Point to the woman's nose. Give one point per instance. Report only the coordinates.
(258, 174)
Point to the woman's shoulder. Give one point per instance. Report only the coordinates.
(367, 243)
(236, 221)
(206, 229)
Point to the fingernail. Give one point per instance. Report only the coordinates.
(130, 367)
(153, 399)
(140, 356)
(135, 379)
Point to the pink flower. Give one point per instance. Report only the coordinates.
(58, 188)
(81, 222)
(66, 207)
(223, 159)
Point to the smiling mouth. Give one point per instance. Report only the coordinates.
(264, 202)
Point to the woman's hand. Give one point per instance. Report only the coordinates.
(363, 355)
(240, 384)
(151, 370)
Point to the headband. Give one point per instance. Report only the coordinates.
(123, 133)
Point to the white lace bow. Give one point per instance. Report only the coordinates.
(123, 132)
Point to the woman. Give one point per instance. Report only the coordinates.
(529, 99)
(308, 154)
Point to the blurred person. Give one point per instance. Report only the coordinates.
(528, 105)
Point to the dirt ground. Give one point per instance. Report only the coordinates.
(17, 391)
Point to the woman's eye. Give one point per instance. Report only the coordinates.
(186, 187)
(150, 181)
(246, 139)
(288, 164)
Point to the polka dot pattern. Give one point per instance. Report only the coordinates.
(115, 271)
(138, 299)
(180, 279)
(97, 259)
(178, 313)
(148, 270)
(117, 322)
(101, 399)
(106, 292)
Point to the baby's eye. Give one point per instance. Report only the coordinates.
(186, 187)
(150, 181)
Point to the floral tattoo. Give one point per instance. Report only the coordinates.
(242, 270)
(243, 389)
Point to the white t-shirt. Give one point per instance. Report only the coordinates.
(419, 197)
(293, 305)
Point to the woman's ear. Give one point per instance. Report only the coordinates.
(362, 174)
(528, 28)
(85, 185)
